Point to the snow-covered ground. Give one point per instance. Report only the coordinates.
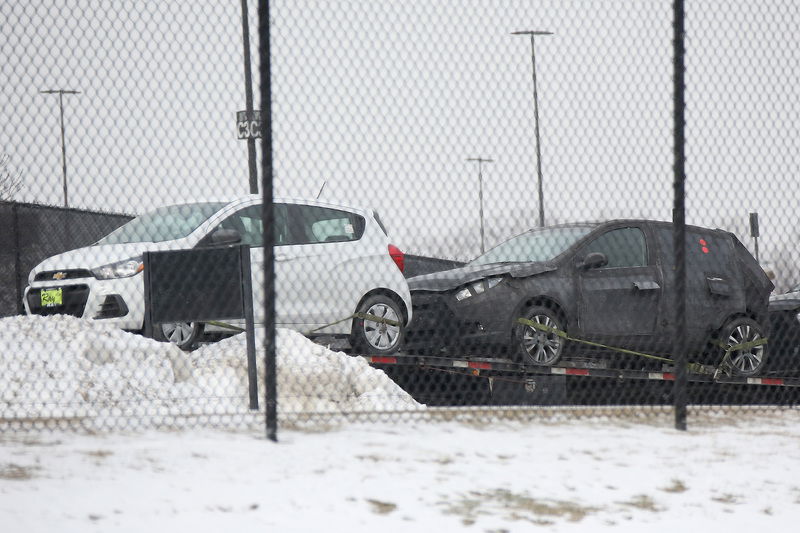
(590, 475)
(116, 465)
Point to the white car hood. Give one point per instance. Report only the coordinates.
(91, 257)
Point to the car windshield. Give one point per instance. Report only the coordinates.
(536, 245)
(163, 224)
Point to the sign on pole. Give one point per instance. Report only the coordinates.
(202, 284)
(754, 230)
(754, 225)
(248, 124)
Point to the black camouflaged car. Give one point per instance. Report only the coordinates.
(555, 290)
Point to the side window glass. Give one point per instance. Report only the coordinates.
(624, 247)
(249, 225)
(312, 225)
(281, 215)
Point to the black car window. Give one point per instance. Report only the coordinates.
(624, 247)
(248, 223)
(542, 244)
(312, 225)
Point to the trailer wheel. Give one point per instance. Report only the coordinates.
(744, 362)
(536, 346)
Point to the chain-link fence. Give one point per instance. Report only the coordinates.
(473, 209)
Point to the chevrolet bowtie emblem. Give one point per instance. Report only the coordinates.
(59, 275)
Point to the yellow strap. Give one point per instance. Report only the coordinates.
(364, 316)
(743, 346)
(693, 367)
(224, 325)
(725, 365)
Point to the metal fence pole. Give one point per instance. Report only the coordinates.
(249, 328)
(679, 219)
(270, 368)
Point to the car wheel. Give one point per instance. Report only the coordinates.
(535, 346)
(375, 336)
(745, 361)
(182, 334)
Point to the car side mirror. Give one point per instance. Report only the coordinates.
(593, 260)
(220, 237)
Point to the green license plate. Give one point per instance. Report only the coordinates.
(52, 297)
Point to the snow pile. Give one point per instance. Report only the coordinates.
(311, 378)
(63, 367)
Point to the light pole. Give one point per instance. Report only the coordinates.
(61, 93)
(480, 162)
(536, 118)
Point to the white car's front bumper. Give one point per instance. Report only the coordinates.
(115, 301)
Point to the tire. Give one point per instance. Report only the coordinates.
(184, 335)
(374, 337)
(749, 361)
(535, 347)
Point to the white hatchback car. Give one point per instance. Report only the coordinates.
(334, 265)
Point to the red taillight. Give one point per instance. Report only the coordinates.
(398, 257)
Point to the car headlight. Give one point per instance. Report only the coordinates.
(477, 287)
(120, 269)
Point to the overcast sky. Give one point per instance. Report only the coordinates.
(384, 101)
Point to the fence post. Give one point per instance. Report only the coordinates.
(679, 219)
(270, 367)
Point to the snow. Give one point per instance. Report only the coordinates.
(63, 367)
(123, 462)
(588, 475)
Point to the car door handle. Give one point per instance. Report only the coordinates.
(646, 285)
(282, 257)
(718, 286)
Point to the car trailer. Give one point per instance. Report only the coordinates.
(500, 381)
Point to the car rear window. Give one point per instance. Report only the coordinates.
(312, 225)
